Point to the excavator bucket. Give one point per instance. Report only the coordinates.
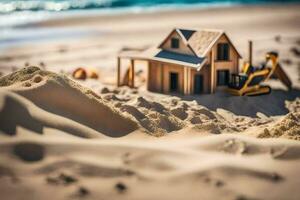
(282, 76)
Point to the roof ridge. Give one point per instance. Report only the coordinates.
(201, 29)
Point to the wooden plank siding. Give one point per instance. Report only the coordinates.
(167, 69)
(118, 71)
(159, 77)
(232, 64)
(131, 73)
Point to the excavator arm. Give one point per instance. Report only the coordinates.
(249, 82)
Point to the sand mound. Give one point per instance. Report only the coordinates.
(130, 109)
(162, 116)
(288, 127)
(293, 106)
(16, 111)
(58, 94)
(153, 116)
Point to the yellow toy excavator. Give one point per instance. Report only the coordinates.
(249, 82)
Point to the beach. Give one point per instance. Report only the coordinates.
(65, 138)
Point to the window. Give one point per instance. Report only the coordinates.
(174, 43)
(222, 77)
(223, 51)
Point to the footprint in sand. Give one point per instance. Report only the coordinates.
(29, 152)
(81, 192)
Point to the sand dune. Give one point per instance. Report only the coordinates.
(160, 116)
(56, 94)
(18, 111)
(59, 95)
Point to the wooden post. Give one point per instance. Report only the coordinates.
(212, 73)
(189, 80)
(250, 52)
(132, 73)
(148, 74)
(185, 79)
(161, 78)
(118, 71)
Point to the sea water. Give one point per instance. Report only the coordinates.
(15, 12)
(16, 15)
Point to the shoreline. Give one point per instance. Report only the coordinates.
(81, 16)
(173, 12)
(122, 23)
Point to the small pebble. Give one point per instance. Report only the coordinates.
(276, 177)
(67, 178)
(219, 183)
(82, 191)
(121, 187)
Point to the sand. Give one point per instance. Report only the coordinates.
(46, 89)
(62, 138)
(161, 145)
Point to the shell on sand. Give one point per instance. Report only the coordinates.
(80, 73)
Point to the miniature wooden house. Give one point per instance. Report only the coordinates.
(187, 62)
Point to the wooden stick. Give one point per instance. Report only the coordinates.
(132, 73)
(250, 52)
(212, 73)
(118, 71)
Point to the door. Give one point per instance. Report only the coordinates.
(198, 84)
(173, 82)
(222, 77)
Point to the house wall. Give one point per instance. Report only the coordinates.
(155, 78)
(167, 69)
(182, 47)
(205, 72)
(232, 65)
(159, 76)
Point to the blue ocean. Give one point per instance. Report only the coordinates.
(15, 13)
(8, 6)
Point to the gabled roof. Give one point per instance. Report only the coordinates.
(202, 41)
(199, 41)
